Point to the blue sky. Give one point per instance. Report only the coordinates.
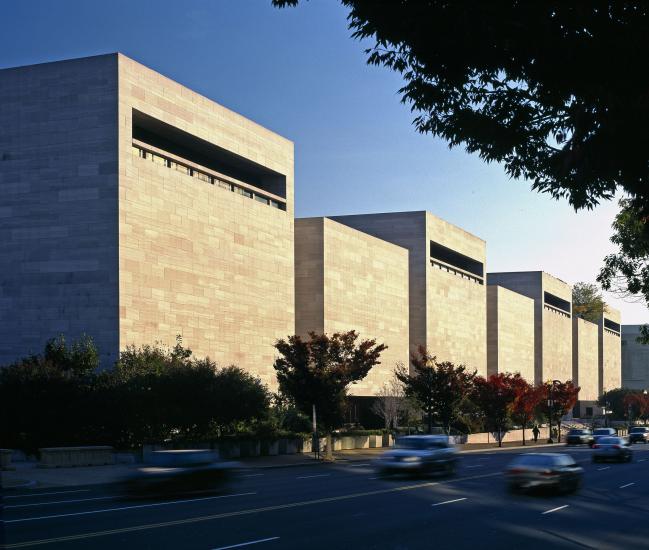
(298, 72)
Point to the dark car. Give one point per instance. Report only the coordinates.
(580, 437)
(612, 448)
(544, 470)
(603, 432)
(419, 454)
(178, 472)
(639, 434)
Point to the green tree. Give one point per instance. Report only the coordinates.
(319, 371)
(587, 302)
(614, 401)
(440, 388)
(521, 83)
(78, 358)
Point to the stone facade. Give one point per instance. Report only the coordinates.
(585, 364)
(510, 332)
(610, 350)
(133, 247)
(552, 320)
(58, 211)
(346, 279)
(635, 359)
(446, 279)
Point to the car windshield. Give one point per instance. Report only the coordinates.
(419, 444)
(534, 460)
(637, 430)
(610, 441)
(603, 431)
(578, 432)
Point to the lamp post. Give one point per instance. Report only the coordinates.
(551, 407)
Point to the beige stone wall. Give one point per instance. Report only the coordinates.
(510, 332)
(194, 259)
(447, 309)
(364, 288)
(585, 359)
(610, 364)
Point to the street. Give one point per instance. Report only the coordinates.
(345, 505)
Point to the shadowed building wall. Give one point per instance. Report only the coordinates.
(346, 279)
(610, 350)
(635, 359)
(585, 364)
(552, 320)
(446, 280)
(510, 332)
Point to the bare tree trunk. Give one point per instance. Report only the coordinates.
(329, 455)
(524, 424)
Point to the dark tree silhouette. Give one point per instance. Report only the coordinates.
(555, 90)
(318, 371)
(439, 388)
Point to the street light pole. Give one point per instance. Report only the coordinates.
(551, 407)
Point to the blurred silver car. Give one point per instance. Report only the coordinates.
(544, 470)
(612, 448)
(419, 454)
(178, 472)
(598, 433)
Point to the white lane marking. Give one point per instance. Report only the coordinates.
(52, 493)
(371, 478)
(245, 543)
(449, 501)
(627, 485)
(476, 466)
(253, 475)
(642, 460)
(555, 509)
(56, 502)
(123, 508)
(309, 477)
(358, 465)
(604, 468)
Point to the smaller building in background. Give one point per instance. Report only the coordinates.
(552, 320)
(585, 366)
(510, 332)
(346, 279)
(610, 350)
(635, 359)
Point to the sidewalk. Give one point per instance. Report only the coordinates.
(28, 475)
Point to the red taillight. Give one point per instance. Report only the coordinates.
(549, 473)
(616, 447)
(515, 471)
(596, 446)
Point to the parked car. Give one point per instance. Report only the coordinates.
(544, 470)
(419, 454)
(580, 437)
(177, 472)
(612, 448)
(603, 432)
(639, 434)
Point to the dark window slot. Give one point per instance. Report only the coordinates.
(611, 325)
(455, 259)
(556, 302)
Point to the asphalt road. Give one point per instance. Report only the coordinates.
(344, 505)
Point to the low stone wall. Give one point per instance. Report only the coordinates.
(65, 457)
(5, 459)
(513, 435)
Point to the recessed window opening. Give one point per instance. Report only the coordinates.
(611, 325)
(161, 135)
(456, 259)
(556, 302)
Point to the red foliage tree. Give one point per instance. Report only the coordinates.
(564, 397)
(638, 404)
(527, 399)
(494, 397)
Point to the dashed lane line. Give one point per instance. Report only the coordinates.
(604, 468)
(249, 511)
(310, 477)
(246, 543)
(449, 501)
(555, 509)
(627, 485)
